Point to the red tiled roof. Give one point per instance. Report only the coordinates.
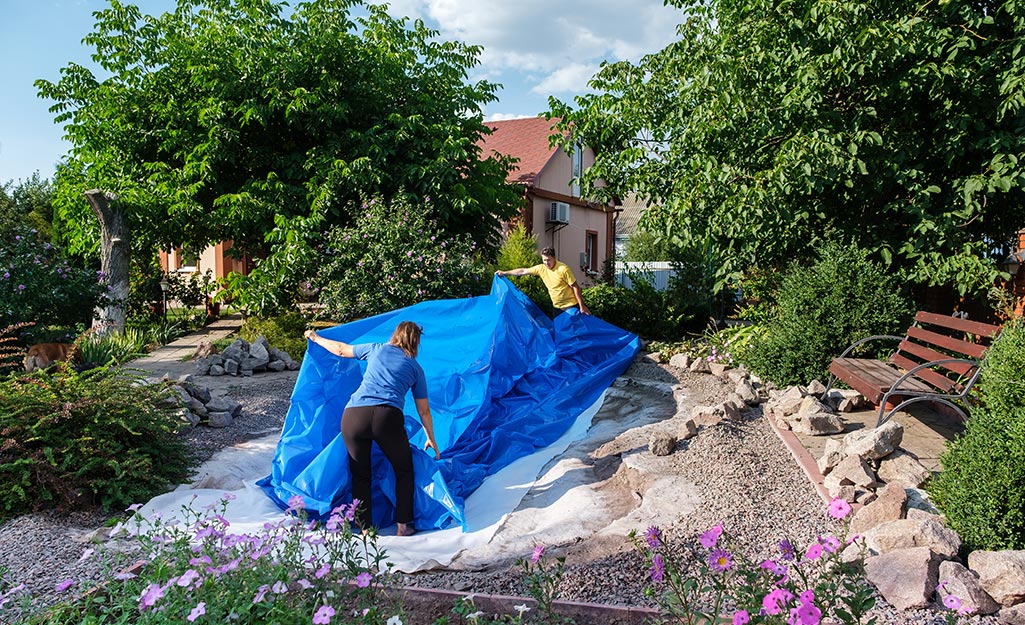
(525, 139)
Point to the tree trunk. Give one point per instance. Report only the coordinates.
(114, 252)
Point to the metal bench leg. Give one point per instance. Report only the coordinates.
(882, 407)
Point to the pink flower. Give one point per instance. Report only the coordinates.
(61, 587)
(814, 552)
(951, 602)
(322, 571)
(808, 614)
(711, 537)
(807, 597)
(323, 615)
(363, 579)
(279, 588)
(539, 551)
(261, 592)
(150, 596)
(296, 503)
(741, 617)
(773, 602)
(838, 508)
(197, 611)
(829, 543)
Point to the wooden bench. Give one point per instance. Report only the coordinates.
(936, 361)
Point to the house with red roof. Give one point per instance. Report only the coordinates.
(581, 231)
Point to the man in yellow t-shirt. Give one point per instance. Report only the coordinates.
(558, 277)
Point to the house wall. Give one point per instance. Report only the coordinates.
(570, 240)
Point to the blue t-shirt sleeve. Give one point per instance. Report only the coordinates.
(361, 351)
(420, 384)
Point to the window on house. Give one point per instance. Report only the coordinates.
(591, 247)
(578, 168)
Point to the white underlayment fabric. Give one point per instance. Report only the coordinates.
(236, 470)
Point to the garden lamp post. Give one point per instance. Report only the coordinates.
(163, 291)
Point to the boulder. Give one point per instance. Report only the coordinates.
(219, 403)
(874, 443)
(832, 454)
(718, 369)
(851, 470)
(1001, 573)
(736, 401)
(815, 388)
(736, 376)
(1014, 615)
(910, 533)
(662, 444)
(219, 419)
(688, 430)
(815, 424)
(888, 506)
(680, 360)
(747, 392)
(700, 365)
(956, 579)
(902, 467)
(708, 415)
(906, 578)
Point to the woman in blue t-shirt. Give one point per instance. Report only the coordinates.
(374, 414)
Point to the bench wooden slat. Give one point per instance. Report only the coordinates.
(927, 354)
(936, 379)
(956, 323)
(872, 378)
(971, 350)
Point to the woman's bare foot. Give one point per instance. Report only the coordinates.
(405, 529)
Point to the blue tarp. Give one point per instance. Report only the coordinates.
(504, 381)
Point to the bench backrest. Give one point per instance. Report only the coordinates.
(939, 337)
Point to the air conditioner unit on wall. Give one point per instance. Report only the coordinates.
(559, 213)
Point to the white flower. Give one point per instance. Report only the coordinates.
(475, 615)
(395, 620)
(521, 608)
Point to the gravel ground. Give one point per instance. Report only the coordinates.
(747, 479)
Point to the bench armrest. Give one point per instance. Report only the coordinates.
(867, 339)
(895, 387)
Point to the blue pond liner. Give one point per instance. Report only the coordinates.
(504, 381)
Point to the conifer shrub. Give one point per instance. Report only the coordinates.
(520, 250)
(981, 488)
(822, 309)
(102, 437)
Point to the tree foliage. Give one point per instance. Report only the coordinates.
(26, 204)
(252, 122)
(770, 126)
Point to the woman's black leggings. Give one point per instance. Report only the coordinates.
(385, 426)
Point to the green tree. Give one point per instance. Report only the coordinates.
(251, 122)
(644, 246)
(768, 127)
(520, 250)
(26, 204)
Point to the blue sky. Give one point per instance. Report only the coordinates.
(534, 48)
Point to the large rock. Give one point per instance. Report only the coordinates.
(1001, 573)
(909, 533)
(662, 444)
(874, 443)
(851, 470)
(1014, 615)
(700, 365)
(688, 430)
(906, 578)
(219, 419)
(888, 506)
(832, 454)
(680, 360)
(903, 468)
(816, 424)
(959, 581)
(747, 392)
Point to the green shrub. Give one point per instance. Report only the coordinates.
(520, 250)
(40, 285)
(824, 308)
(99, 436)
(395, 255)
(981, 488)
(642, 309)
(285, 332)
(189, 289)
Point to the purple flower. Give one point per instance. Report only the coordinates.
(654, 537)
(807, 597)
(720, 560)
(150, 596)
(197, 611)
(350, 512)
(322, 571)
(951, 602)
(807, 614)
(838, 508)
(7, 275)
(279, 588)
(296, 503)
(711, 537)
(658, 569)
(187, 578)
(21, 287)
(323, 615)
(261, 592)
(61, 587)
(363, 579)
(787, 549)
(829, 543)
(741, 617)
(539, 551)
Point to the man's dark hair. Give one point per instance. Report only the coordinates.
(549, 251)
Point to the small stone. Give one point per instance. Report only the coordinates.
(662, 444)
(219, 419)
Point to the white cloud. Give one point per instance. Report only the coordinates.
(501, 117)
(570, 79)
